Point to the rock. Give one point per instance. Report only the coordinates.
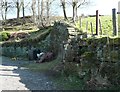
(46, 57)
(19, 35)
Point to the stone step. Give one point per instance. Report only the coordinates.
(71, 28)
(70, 37)
(72, 33)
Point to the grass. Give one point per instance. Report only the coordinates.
(46, 66)
(69, 79)
(69, 83)
(31, 40)
(28, 27)
(106, 22)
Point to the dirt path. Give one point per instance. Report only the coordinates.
(15, 77)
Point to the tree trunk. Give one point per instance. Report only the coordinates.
(42, 9)
(74, 10)
(64, 11)
(23, 10)
(48, 11)
(1, 10)
(6, 8)
(18, 9)
(33, 10)
(38, 13)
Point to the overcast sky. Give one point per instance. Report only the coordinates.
(104, 6)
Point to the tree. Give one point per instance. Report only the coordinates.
(48, 7)
(48, 10)
(38, 12)
(77, 4)
(23, 10)
(18, 8)
(17, 5)
(4, 9)
(64, 10)
(74, 5)
(34, 10)
(42, 11)
(44, 7)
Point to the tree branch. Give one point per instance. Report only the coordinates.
(83, 3)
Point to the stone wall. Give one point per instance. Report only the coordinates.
(102, 49)
(14, 51)
(58, 36)
(21, 48)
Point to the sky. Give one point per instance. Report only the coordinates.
(104, 6)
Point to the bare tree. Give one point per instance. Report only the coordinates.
(34, 10)
(44, 7)
(18, 8)
(4, 9)
(63, 4)
(23, 10)
(38, 12)
(74, 5)
(48, 8)
(77, 4)
(17, 5)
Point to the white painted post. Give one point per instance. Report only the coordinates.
(119, 18)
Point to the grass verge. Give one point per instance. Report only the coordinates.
(40, 67)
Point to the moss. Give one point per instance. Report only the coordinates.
(103, 40)
(114, 56)
(25, 42)
(117, 41)
(5, 36)
(89, 56)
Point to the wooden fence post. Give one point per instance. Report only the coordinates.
(114, 22)
(119, 18)
(80, 22)
(97, 22)
(100, 27)
(86, 27)
(91, 28)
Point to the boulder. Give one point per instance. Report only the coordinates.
(46, 57)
